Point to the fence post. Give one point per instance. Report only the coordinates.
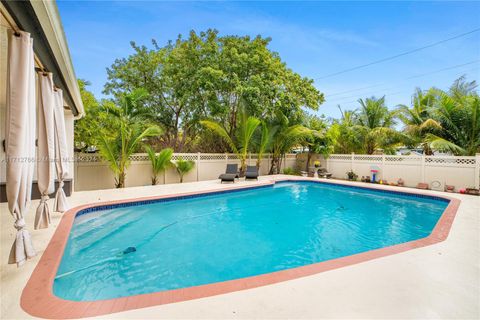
(351, 161)
(423, 168)
(383, 166)
(327, 164)
(198, 165)
(226, 158)
(477, 171)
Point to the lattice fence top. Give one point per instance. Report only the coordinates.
(410, 159)
(95, 157)
(367, 158)
(340, 157)
(185, 156)
(465, 161)
(212, 156)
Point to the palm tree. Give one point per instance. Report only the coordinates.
(160, 162)
(130, 107)
(125, 134)
(418, 121)
(266, 137)
(375, 123)
(183, 167)
(242, 140)
(458, 113)
(345, 133)
(118, 148)
(285, 139)
(319, 142)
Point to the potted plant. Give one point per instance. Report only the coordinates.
(473, 191)
(352, 176)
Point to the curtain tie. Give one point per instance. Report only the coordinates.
(44, 198)
(19, 224)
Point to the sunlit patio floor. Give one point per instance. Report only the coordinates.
(437, 281)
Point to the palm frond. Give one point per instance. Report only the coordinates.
(219, 130)
(441, 144)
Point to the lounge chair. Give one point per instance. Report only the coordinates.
(232, 168)
(251, 173)
(323, 173)
(231, 173)
(227, 177)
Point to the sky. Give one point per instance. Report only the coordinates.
(315, 39)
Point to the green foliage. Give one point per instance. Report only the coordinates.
(117, 149)
(266, 137)
(319, 141)
(290, 171)
(160, 162)
(125, 135)
(242, 137)
(285, 139)
(447, 121)
(183, 167)
(207, 76)
(352, 175)
(86, 128)
(367, 129)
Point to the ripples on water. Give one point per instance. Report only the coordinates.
(222, 237)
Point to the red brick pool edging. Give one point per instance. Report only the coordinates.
(38, 299)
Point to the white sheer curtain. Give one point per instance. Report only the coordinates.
(46, 148)
(20, 139)
(61, 153)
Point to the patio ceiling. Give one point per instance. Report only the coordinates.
(42, 21)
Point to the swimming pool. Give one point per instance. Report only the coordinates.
(168, 244)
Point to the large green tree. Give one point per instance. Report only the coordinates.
(207, 76)
(86, 128)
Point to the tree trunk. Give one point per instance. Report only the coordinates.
(309, 157)
(121, 180)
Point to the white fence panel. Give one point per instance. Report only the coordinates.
(461, 172)
(91, 173)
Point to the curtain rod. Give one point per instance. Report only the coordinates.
(16, 32)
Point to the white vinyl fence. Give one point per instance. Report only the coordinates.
(91, 173)
(461, 172)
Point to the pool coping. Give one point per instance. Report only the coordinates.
(38, 299)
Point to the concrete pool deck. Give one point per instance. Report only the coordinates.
(437, 281)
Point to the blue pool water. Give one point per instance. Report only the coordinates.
(207, 239)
